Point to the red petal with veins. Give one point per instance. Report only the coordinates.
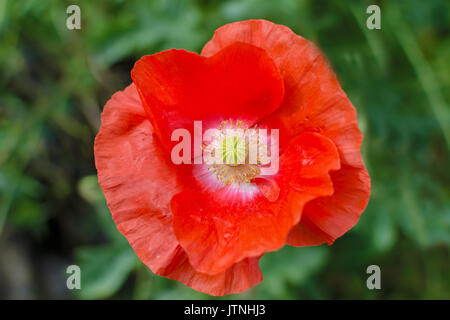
(138, 181)
(177, 87)
(313, 101)
(215, 234)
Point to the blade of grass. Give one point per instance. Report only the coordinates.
(373, 41)
(421, 67)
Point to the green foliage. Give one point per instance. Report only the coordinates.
(104, 269)
(54, 83)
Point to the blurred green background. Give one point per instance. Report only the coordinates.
(54, 83)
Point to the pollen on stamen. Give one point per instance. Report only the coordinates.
(238, 152)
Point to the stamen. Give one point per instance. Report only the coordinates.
(232, 146)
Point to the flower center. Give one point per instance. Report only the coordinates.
(240, 153)
(233, 150)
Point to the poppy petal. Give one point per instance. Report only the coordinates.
(237, 278)
(178, 87)
(313, 101)
(138, 181)
(327, 218)
(268, 187)
(317, 155)
(216, 234)
(135, 176)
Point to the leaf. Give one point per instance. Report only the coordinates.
(290, 266)
(104, 269)
(89, 189)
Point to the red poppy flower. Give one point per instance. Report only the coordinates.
(208, 225)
